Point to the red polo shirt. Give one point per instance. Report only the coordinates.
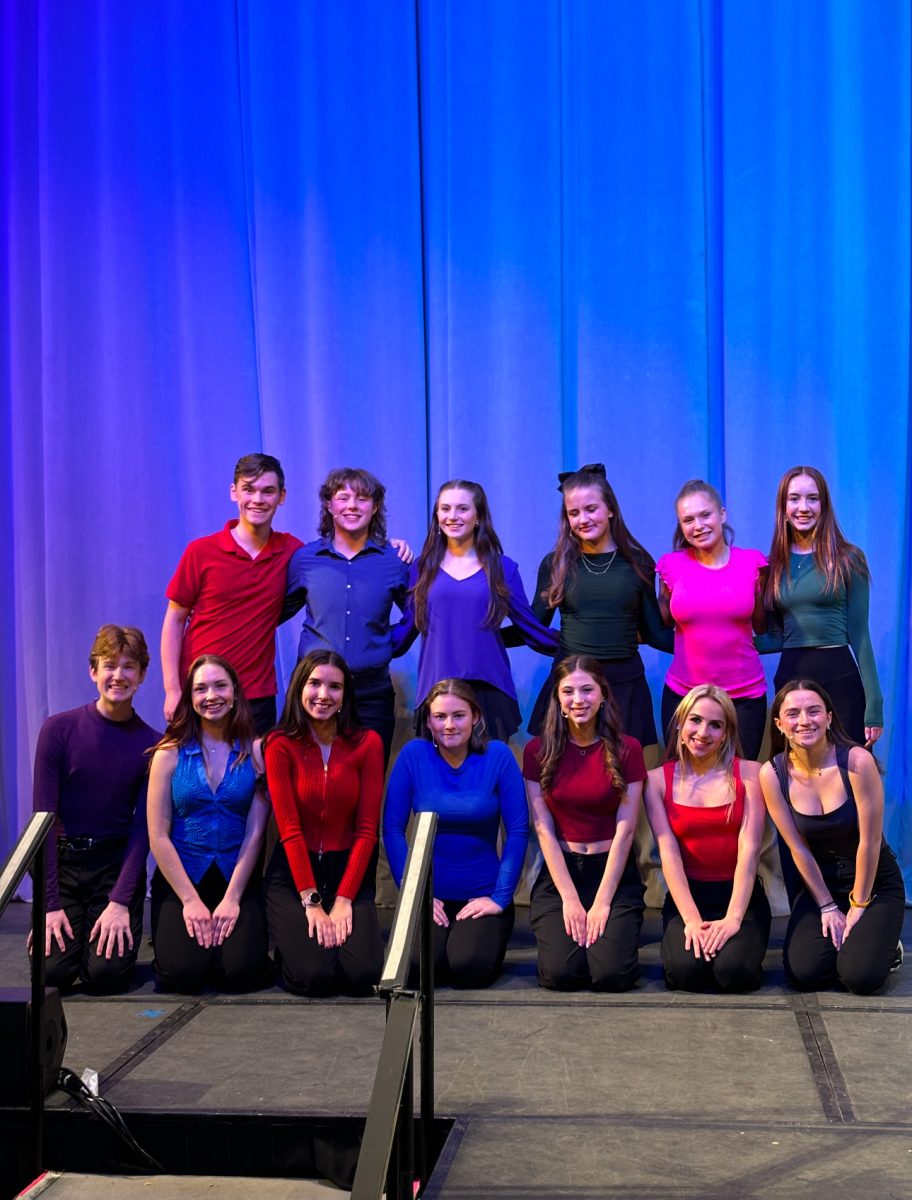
(235, 602)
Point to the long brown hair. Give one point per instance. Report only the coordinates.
(834, 556)
(487, 547)
(294, 721)
(676, 751)
(836, 733)
(567, 549)
(185, 726)
(608, 724)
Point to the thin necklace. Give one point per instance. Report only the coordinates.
(605, 569)
(810, 771)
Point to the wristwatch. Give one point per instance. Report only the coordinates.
(311, 899)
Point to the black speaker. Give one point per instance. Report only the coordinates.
(16, 1043)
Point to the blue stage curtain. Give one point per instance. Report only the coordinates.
(488, 240)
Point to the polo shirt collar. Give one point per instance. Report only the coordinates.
(227, 543)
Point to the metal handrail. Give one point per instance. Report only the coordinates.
(30, 850)
(386, 1161)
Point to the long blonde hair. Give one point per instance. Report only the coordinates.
(676, 750)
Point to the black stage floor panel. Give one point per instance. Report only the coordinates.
(649, 1095)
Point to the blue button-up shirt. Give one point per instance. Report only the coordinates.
(347, 601)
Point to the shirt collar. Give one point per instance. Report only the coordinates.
(324, 545)
(227, 543)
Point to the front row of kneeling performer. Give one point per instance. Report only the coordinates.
(211, 782)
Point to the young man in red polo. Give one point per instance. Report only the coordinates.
(227, 593)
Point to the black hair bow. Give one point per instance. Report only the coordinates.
(592, 468)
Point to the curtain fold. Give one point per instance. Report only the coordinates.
(442, 239)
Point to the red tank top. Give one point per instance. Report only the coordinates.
(707, 837)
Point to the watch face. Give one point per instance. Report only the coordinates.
(311, 898)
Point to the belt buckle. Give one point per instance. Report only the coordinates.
(78, 845)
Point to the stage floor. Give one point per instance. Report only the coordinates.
(649, 1095)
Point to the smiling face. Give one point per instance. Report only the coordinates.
(704, 730)
(457, 515)
(580, 698)
(803, 719)
(322, 693)
(701, 521)
(589, 518)
(451, 721)
(258, 499)
(212, 693)
(351, 510)
(802, 506)
(117, 676)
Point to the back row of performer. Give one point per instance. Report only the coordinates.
(717, 604)
(228, 595)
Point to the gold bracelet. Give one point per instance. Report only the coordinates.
(857, 903)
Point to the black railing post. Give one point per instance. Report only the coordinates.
(29, 851)
(406, 1134)
(392, 1170)
(426, 984)
(39, 911)
(387, 1157)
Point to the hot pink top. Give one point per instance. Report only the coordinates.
(712, 609)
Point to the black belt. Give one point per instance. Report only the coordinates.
(81, 845)
(371, 676)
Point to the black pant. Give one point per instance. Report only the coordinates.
(738, 965)
(470, 953)
(85, 879)
(263, 712)
(863, 964)
(375, 700)
(612, 963)
(307, 967)
(750, 711)
(834, 668)
(240, 964)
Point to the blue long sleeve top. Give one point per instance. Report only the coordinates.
(470, 801)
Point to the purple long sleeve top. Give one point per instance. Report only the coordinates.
(92, 773)
(457, 641)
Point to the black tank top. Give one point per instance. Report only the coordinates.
(828, 835)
